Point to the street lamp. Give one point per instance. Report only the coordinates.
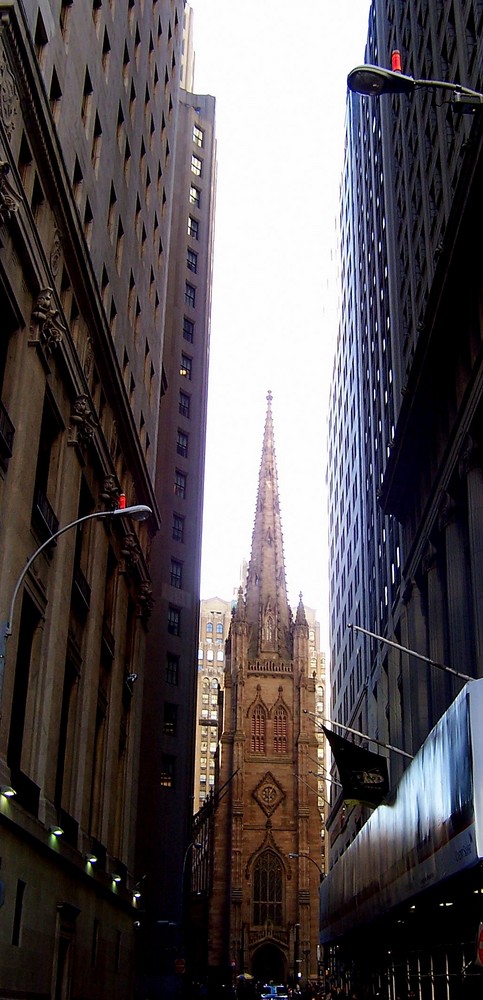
(138, 512)
(371, 81)
(308, 858)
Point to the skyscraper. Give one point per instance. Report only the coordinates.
(263, 913)
(97, 144)
(215, 618)
(404, 466)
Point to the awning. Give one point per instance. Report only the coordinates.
(430, 829)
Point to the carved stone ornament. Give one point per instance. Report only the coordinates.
(110, 491)
(9, 200)
(268, 794)
(130, 550)
(83, 420)
(146, 601)
(470, 457)
(9, 99)
(55, 253)
(46, 317)
(447, 511)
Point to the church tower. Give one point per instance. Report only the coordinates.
(265, 899)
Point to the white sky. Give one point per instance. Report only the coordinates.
(278, 71)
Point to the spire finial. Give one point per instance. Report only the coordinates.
(269, 396)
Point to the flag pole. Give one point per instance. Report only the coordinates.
(340, 725)
(412, 652)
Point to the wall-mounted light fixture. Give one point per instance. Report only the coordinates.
(7, 791)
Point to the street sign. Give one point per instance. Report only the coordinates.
(180, 966)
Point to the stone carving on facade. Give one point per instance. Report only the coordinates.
(46, 318)
(429, 558)
(88, 359)
(9, 99)
(55, 253)
(83, 420)
(113, 441)
(268, 794)
(9, 200)
(470, 456)
(110, 491)
(145, 601)
(447, 511)
(131, 550)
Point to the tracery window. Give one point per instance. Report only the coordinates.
(258, 730)
(280, 730)
(267, 890)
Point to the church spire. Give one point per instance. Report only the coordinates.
(267, 608)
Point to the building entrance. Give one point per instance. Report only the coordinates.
(269, 964)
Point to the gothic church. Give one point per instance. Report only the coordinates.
(265, 894)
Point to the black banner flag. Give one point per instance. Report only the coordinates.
(363, 774)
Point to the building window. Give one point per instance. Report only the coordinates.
(178, 528)
(176, 574)
(198, 135)
(196, 165)
(167, 771)
(172, 669)
(182, 444)
(258, 730)
(280, 731)
(170, 719)
(192, 260)
(180, 483)
(219, 629)
(184, 404)
(174, 620)
(209, 628)
(188, 329)
(185, 368)
(195, 196)
(267, 890)
(193, 227)
(190, 295)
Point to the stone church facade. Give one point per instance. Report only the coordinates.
(265, 893)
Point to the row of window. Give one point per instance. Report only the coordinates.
(258, 731)
(209, 655)
(182, 448)
(209, 628)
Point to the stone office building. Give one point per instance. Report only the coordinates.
(89, 103)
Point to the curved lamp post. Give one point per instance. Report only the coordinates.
(138, 512)
(371, 81)
(308, 858)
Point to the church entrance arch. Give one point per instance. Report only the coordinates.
(269, 964)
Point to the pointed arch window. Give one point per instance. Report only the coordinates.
(280, 730)
(258, 730)
(267, 890)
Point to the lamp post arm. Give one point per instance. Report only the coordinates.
(136, 512)
(50, 539)
(307, 857)
(455, 88)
